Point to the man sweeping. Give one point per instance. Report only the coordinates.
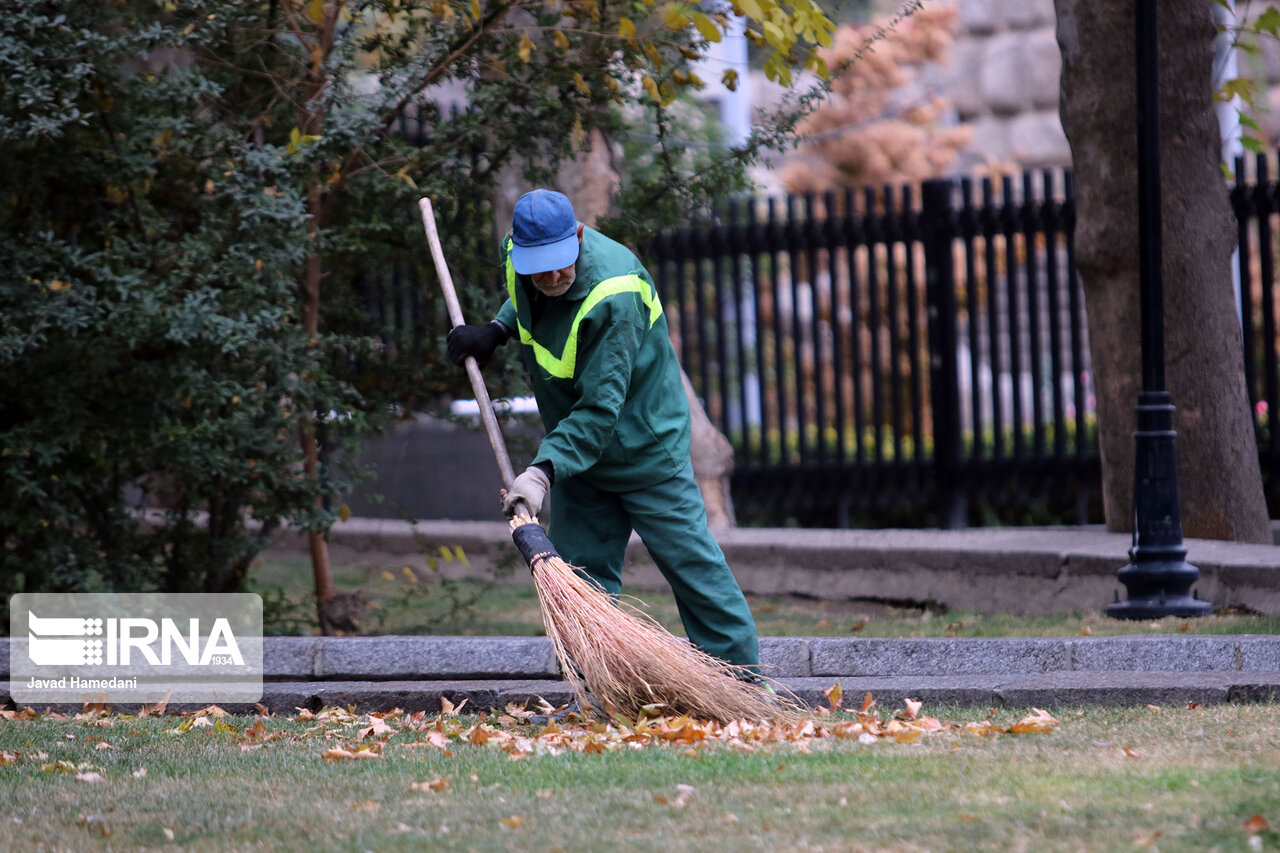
(615, 457)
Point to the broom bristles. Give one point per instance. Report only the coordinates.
(629, 661)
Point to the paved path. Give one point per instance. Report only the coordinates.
(413, 673)
(1012, 569)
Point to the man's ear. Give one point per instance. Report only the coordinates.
(580, 227)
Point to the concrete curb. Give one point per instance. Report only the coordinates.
(461, 658)
(1025, 570)
(414, 673)
(1046, 691)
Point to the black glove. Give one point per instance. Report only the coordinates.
(479, 342)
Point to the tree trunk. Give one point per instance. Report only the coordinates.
(712, 457)
(1218, 471)
(320, 570)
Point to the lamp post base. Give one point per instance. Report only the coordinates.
(1158, 577)
(1142, 609)
(1159, 588)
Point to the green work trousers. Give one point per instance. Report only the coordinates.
(590, 528)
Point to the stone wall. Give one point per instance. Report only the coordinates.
(1002, 80)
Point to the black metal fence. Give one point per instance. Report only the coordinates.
(1255, 199)
(921, 354)
(910, 355)
(880, 349)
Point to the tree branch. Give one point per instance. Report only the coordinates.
(489, 21)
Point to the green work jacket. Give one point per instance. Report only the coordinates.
(603, 370)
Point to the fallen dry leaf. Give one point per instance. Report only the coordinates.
(8, 758)
(908, 734)
(63, 766)
(435, 785)
(929, 724)
(376, 727)
(1256, 824)
(1146, 839)
(438, 739)
(140, 773)
(1037, 722)
(513, 822)
(24, 714)
(683, 794)
(90, 776)
(834, 694)
(594, 736)
(521, 712)
(337, 753)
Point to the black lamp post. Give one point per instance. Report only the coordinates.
(1158, 577)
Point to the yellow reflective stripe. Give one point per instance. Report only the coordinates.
(609, 287)
(563, 367)
(511, 275)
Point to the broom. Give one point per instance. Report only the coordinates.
(619, 653)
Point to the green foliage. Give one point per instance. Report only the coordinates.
(1246, 29)
(681, 169)
(151, 351)
(191, 186)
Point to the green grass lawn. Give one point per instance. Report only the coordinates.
(1103, 780)
(401, 602)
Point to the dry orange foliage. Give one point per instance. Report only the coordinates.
(866, 132)
(343, 734)
(511, 731)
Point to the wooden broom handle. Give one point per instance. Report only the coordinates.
(473, 369)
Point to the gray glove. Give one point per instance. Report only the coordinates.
(529, 489)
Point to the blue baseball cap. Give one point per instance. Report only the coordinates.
(544, 232)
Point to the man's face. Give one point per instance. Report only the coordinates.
(554, 282)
